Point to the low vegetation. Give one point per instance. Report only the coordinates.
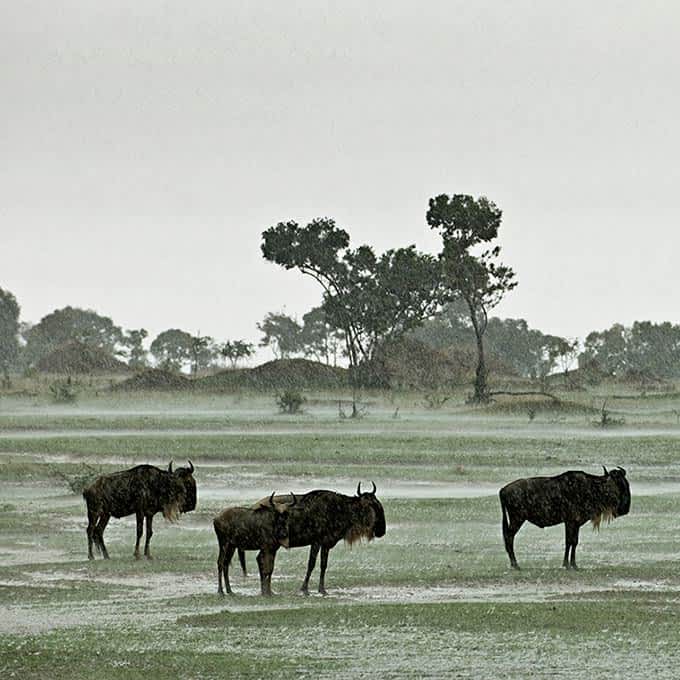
(435, 590)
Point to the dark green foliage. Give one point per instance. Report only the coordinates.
(172, 348)
(478, 279)
(233, 350)
(290, 401)
(63, 391)
(136, 353)
(282, 333)
(9, 334)
(369, 299)
(643, 352)
(68, 325)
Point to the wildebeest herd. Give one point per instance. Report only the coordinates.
(321, 519)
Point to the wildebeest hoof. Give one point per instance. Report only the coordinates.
(149, 556)
(323, 591)
(304, 591)
(138, 556)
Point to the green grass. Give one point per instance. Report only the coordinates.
(434, 598)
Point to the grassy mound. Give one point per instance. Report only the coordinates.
(77, 357)
(155, 379)
(280, 374)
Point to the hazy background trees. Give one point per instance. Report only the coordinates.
(9, 334)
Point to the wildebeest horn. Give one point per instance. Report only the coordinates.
(271, 499)
(191, 466)
(359, 489)
(374, 488)
(294, 499)
(170, 467)
(605, 470)
(618, 467)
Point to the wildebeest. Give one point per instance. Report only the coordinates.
(321, 518)
(263, 527)
(143, 491)
(572, 498)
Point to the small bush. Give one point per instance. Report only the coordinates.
(290, 401)
(63, 392)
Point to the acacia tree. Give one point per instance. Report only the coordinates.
(233, 350)
(282, 333)
(368, 299)
(9, 333)
(468, 225)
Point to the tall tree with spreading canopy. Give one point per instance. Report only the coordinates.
(72, 324)
(9, 333)
(470, 264)
(369, 299)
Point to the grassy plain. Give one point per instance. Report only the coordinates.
(433, 598)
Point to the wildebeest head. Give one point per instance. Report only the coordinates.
(618, 478)
(373, 516)
(183, 492)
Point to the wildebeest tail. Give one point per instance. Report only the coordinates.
(506, 523)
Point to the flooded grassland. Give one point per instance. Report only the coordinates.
(434, 598)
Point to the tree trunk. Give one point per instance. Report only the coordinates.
(481, 395)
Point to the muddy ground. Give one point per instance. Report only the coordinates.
(433, 598)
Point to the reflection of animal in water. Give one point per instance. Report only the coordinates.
(572, 498)
(142, 491)
(320, 519)
(263, 527)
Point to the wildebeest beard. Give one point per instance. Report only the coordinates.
(171, 511)
(356, 533)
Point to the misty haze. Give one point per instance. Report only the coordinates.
(339, 340)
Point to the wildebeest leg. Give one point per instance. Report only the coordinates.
(242, 560)
(99, 533)
(313, 552)
(229, 549)
(149, 534)
(91, 528)
(510, 528)
(324, 564)
(220, 567)
(140, 531)
(571, 541)
(265, 562)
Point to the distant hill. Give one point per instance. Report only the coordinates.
(77, 357)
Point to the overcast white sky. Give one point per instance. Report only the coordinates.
(146, 145)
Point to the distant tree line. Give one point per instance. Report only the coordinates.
(424, 317)
(24, 346)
